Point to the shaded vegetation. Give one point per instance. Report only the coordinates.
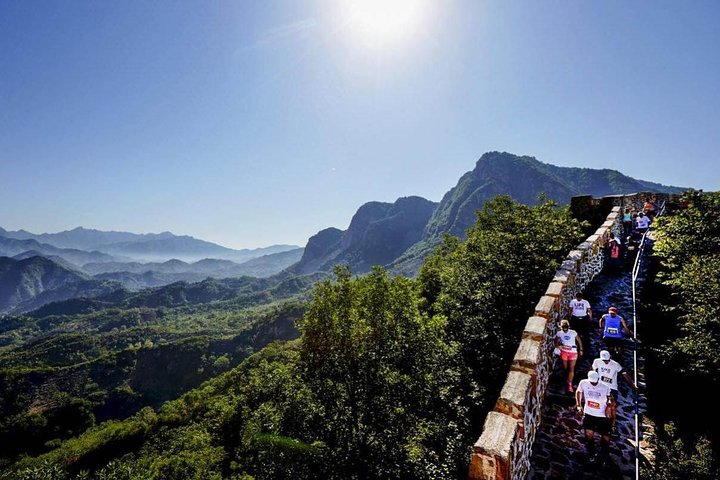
(684, 304)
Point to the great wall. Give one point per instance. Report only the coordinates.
(505, 447)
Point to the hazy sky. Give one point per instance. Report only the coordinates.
(257, 122)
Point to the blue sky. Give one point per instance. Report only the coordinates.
(252, 123)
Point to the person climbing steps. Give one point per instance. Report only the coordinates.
(608, 370)
(593, 400)
(570, 345)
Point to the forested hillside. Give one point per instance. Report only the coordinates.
(391, 377)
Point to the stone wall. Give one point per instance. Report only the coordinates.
(504, 448)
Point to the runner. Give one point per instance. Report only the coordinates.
(570, 348)
(614, 252)
(608, 370)
(581, 317)
(627, 222)
(597, 398)
(612, 327)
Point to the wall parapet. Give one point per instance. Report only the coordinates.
(504, 448)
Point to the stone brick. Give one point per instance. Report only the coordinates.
(616, 209)
(562, 276)
(601, 232)
(514, 396)
(585, 246)
(546, 306)
(527, 357)
(594, 237)
(535, 328)
(578, 255)
(570, 265)
(608, 223)
(493, 451)
(555, 289)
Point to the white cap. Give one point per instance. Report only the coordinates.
(605, 355)
(593, 376)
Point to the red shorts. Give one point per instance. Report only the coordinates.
(568, 355)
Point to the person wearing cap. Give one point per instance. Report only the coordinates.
(608, 370)
(581, 316)
(593, 399)
(642, 222)
(570, 346)
(612, 327)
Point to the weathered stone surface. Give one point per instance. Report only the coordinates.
(514, 396)
(555, 289)
(492, 453)
(535, 328)
(528, 356)
(546, 306)
(570, 265)
(562, 276)
(577, 254)
(586, 245)
(602, 231)
(497, 436)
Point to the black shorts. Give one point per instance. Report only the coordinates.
(600, 425)
(613, 342)
(580, 324)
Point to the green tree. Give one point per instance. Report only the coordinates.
(378, 368)
(488, 285)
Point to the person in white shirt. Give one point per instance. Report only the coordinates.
(643, 222)
(570, 346)
(593, 399)
(608, 370)
(580, 316)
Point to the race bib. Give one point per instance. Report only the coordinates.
(612, 331)
(606, 379)
(592, 404)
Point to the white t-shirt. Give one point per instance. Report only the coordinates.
(579, 307)
(608, 372)
(567, 340)
(595, 397)
(643, 222)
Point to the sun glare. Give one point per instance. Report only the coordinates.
(384, 21)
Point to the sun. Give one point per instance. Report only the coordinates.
(384, 21)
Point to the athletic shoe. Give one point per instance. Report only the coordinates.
(570, 387)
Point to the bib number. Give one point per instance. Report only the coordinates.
(606, 379)
(612, 331)
(592, 404)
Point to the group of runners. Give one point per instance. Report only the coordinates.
(596, 396)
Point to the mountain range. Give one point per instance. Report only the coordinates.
(397, 235)
(126, 246)
(373, 236)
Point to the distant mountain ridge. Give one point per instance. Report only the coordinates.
(30, 282)
(496, 173)
(10, 247)
(146, 247)
(377, 234)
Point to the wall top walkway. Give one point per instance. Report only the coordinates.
(504, 448)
